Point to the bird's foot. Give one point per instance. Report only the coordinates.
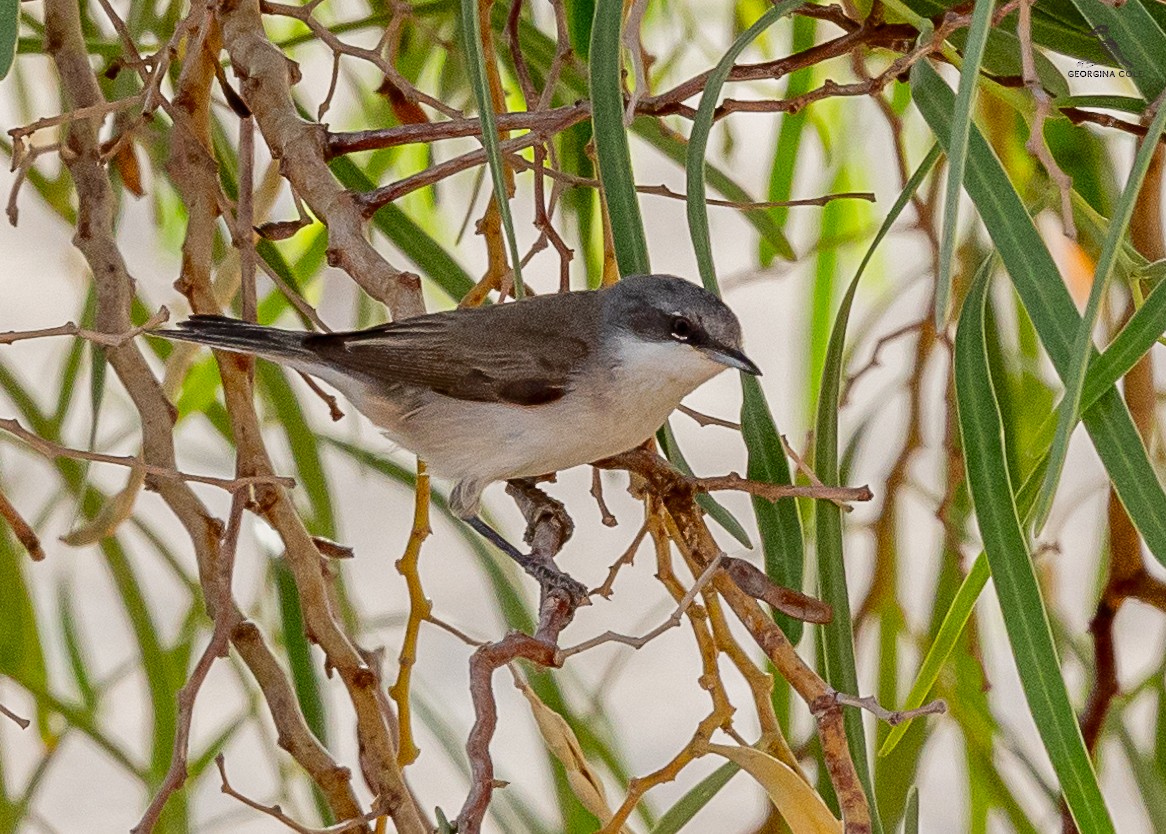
(551, 579)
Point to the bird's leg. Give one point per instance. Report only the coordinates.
(548, 528)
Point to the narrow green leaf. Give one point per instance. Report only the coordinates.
(611, 140)
(679, 815)
(1132, 37)
(9, 28)
(945, 639)
(911, 815)
(299, 652)
(1043, 293)
(838, 636)
(471, 30)
(1082, 348)
(1025, 618)
(74, 649)
(1124, 104)
(702, 124)
(789, 135)
(1133, 341)
(957, 152)
(778, 522)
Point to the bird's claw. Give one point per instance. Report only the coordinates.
(553, 579)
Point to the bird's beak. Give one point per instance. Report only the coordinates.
(733, 358)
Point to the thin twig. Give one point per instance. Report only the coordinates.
(227, 618)
(1036, 144)
(54, 450)
(23, 723)
(104, 339)
(276, 812)
(605, 515)
(775, 492)
(673, 621)
(892, 717)
(704, 420)
(626, 558)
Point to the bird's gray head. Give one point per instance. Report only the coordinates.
(666, 310)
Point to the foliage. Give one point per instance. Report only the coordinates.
(1017, 152)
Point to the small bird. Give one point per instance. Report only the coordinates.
(514, 390)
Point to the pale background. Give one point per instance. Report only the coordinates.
(43, 283)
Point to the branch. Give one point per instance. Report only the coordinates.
(775, 492)
(227, 618)
(49, 449)
(277, 813)
(96, 336)
(673, 621)
(21, 528)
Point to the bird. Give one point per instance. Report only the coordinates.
(515, 390)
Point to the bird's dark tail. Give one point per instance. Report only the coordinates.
(285, 346)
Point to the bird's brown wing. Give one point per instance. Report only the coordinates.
(486, 355)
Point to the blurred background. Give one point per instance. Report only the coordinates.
(99, 636)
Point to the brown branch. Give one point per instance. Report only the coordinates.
(97, 337)
(673, 620)
(266, 77)
(276, 812)
(21, 529)
(49, 449)
(548, 530)
(1036, 144)
(605, 515)
(704, 420)
(1078, 116)
(775, 492)
(892, 717)
(786, 600)
(21, 722)
(114, 289)
(626, 558)
(227, 619)
(371, 201)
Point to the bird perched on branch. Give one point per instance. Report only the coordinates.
(513, 391)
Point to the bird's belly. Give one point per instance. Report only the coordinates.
(460, 439)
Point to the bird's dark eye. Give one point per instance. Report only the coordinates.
(682, 329)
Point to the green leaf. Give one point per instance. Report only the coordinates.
(471, 30)
(1134, 40)
(611, 140)
(778, 522)
(838, 635)
(299, 652)
(1082, 348)
(911, 815)
(1133, 341)
(1043, 293)
(945, 639)
(9, 27)
(789, 136)
(1025, 618)
(698, 222)
(957, 152)
(679, 815)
